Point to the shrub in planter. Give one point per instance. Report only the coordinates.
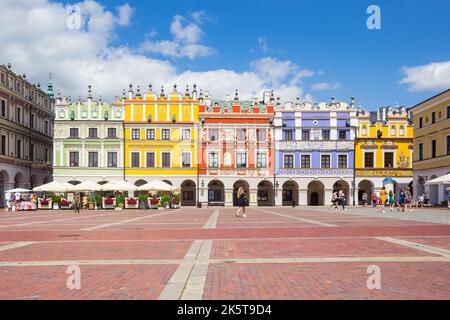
(64, 203)
(154, 201)
(143, 198)
(44, 202)
(109, 201)
(56, 199)
(132, 201)
(165, 200)
(120, 200)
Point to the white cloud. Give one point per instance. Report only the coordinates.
(322, 86)
(125, 12)
(79, 57)
(185, 43)
(428, 77)
(263, 45)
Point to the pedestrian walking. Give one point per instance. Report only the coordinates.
(401, 200)
(383, 198)
(391, 200)
(334, 200)
(365, 198)
(342, 199)
(448, 196)
(408, 200)
(76, 203)
(374, 199)
(242, 201)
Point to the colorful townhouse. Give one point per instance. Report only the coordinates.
(236, 150)
(431, 145)
(314, 154)
(161, 138)
(88, 140)
(384, 150)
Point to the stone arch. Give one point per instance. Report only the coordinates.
(316, 193)
(367, 187)
(216, 191)
(342, 185)
(4, 185)
(265, 194)
(290, 193)
(188, 196)
(18, 180)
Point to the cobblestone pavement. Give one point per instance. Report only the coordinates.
(208, 253)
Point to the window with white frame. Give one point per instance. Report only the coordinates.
(342, 161)
(135, 134)
(213, 160)
(325, 161)
(135, 157)
(186, 159)
(261, 160)
(261, 135)
(165, 159)
(186, 134)
(402, 130)
(288, 161)
(241, 160)
(305, 161)
(165, 134)
(393, 131)
(150, 134)
(150, 159)
(213, 134)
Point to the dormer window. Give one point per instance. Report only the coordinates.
(364, 130)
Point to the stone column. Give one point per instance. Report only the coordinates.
(253, 199)
(278, 197)
(229, 197)
(327, 195)
(303, 197)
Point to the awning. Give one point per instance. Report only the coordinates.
(118, 186)
(156, 186)
(54, 186)
(445, 179)
(86, 186)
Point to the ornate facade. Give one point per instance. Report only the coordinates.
(314, 154)
(26, 130)
(161, 138)
(384, 149)
(88, 140)
(236, 149)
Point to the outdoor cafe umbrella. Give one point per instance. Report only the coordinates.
(17, 190)
(445, 179)
(118, 186)
(54, 186)
(86, 186)
(156, 186)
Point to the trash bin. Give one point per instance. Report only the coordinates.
(293, 204)
(199, 204)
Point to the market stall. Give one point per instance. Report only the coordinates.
(20, 200)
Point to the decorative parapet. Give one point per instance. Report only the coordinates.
(389, 145)
(315, 172)
(314, 145)
(238, 171)
(369, 145)
(383, 172)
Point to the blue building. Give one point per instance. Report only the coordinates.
(314, 155)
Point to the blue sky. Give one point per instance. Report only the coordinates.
(329, 39)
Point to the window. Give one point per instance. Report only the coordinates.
(213, 134)
(306, 161)
(305, 135)
(388, 159)
(186, 159)
(288, 135)
(74, 159)
(31, 152)
(393, 131)
(165, 134)
(74, 132)
(420, 122)
(241, 134)
(288, 161)
(165, 160)
(3, 110)
(261, 160)
(31, 120)
(213, 160)
(3, 150)
(150, 134)
(420, 151)
(135, 134)
(150, 159)
(46, 153)
(112, 133)
(325, 161)
(135, 159)
(433, 148)
(112, 159)
(93, 159)
(241, 160)
(19, 149)
(364, 130)
(448, 112)
(433, 117)
(342, 161)
(342, 134)
(326, 134)
(402, 130)
(46, 127)
(368, 160)
(448, 145)
(92, 132)
(18, 115)
(186, 135)
(261, 135)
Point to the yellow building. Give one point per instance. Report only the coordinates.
(432, 144)
(383, 150)
(160, 139)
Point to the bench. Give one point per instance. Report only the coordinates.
(216, 203)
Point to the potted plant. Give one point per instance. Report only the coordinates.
(120, 200)
(165, 201)
(143, 198)
(109, 203)
(56, 200)
(131, 203)
(91, 203)
(64, 204)
(154, 202)
(175, 202)
(44, 204)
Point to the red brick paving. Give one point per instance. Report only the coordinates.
(260, 235)
(406, 280)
